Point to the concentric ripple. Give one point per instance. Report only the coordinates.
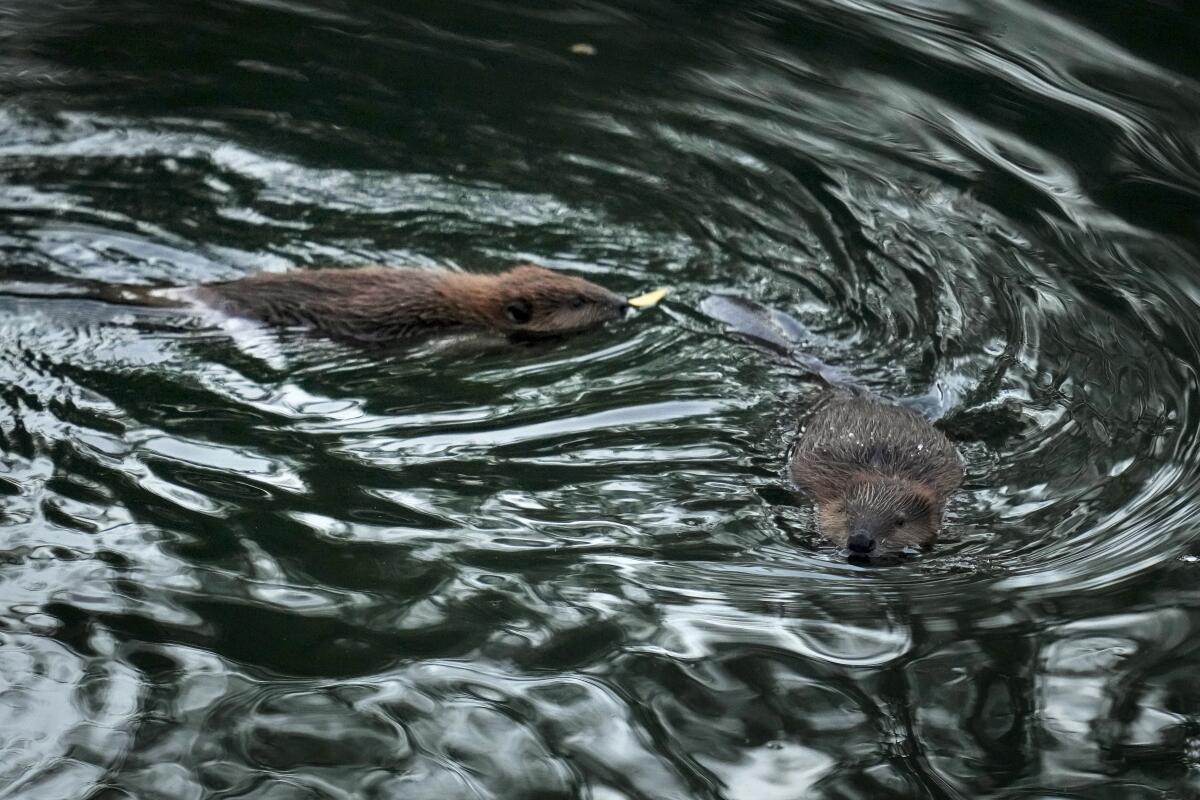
(245, 563)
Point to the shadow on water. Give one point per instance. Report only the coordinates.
(262, 565)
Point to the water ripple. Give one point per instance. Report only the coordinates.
(238, 562)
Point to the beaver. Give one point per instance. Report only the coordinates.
(879, 474)
(378, 304)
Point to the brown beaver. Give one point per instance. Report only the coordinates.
(381, 304)
(879, 474)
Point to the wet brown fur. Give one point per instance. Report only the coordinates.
(876, 469)
(383, 304)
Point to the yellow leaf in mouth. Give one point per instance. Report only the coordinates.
(648, 299)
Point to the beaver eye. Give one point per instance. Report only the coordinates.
(577, 301)
(899, 522)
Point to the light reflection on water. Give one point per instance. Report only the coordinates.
(249, 564)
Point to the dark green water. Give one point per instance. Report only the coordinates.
(251, 564)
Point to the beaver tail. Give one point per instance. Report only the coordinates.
(777, 332)
(109, 294)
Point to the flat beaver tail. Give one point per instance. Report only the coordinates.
(110, 294)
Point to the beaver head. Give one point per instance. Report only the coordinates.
(877, 516)
(534, 301)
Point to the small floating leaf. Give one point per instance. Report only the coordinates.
(583, 49)
(648, 299)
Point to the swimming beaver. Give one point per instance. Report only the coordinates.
(381, 304)
(879, 474)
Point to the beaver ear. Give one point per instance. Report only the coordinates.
(518, 311)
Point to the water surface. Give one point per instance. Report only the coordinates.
(254, 564)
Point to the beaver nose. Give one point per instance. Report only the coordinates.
(623, 310)
(860, 543)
